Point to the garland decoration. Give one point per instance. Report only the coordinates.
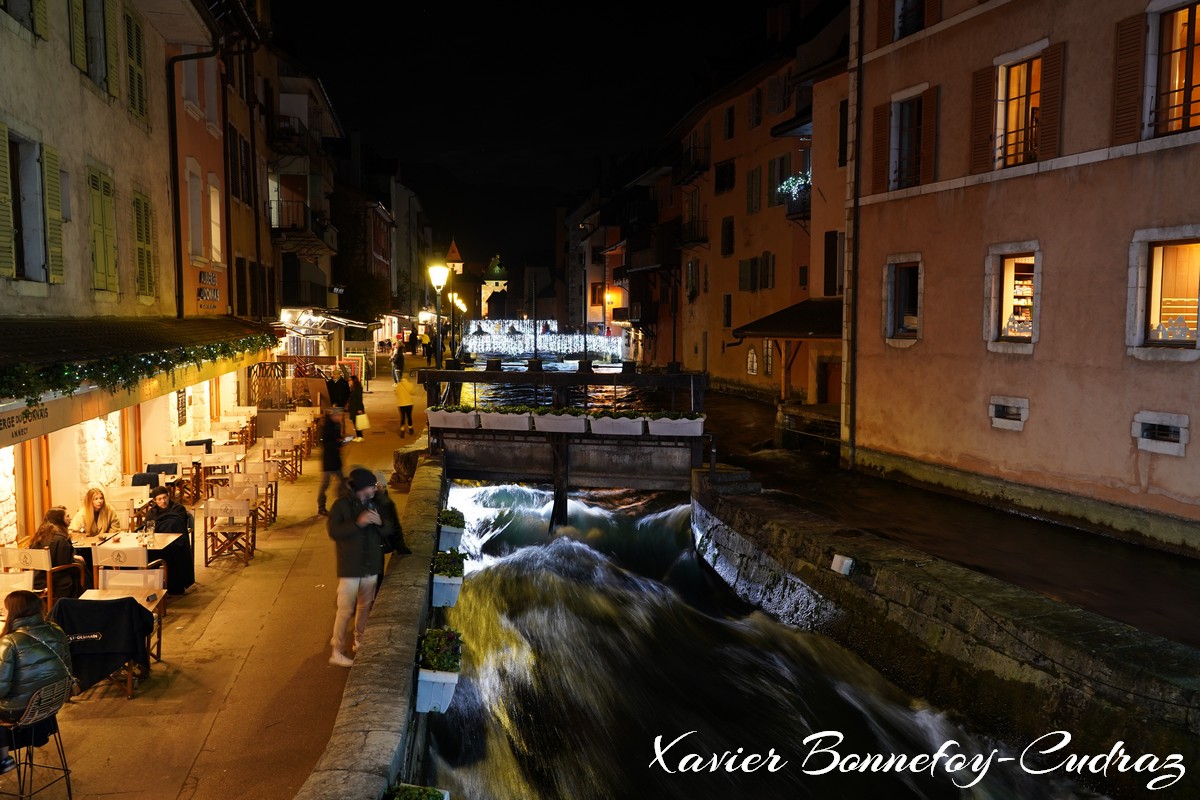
(122, 372)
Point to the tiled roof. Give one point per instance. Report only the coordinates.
(39, 341)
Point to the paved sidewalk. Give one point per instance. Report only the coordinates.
(243, 703)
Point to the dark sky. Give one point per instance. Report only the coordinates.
(496, 114)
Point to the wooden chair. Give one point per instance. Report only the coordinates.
(30, 560)
(298, 430)
(281, 451)
(43, 705)
(215, 470)
(189, 484)
(229, 529)
(269, 472)
(152, 577)
(262, 500)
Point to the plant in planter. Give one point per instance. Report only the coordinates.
(439, 656)
(505, 418)
(451, 526)
(452, 416)
(675, 423)
(406, 791)
(447, 569)
(618, 423)
(568, 419)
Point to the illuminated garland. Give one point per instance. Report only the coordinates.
(122, 372)
(795, 184)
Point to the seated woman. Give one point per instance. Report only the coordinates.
(52, 535)
(33, 653)
(96, 517)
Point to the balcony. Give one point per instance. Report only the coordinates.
(292, 137)
(692, 162)
(799, 205)
(296, 229)
(693, 231)
(639, 314)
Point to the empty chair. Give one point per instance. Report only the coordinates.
(281, 451)
(164, 468)
(12, 581)
(144, 479)
(229, 530)
(207, 444)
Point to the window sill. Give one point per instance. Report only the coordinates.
(1161, 354)
(1015, 348)
(29, 288)
(901, 342)
(106, 296)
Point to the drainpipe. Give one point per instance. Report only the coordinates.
(173, 140)
(852, 309)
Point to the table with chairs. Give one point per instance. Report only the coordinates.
(110, 632)
(125, 550)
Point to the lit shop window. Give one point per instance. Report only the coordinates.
(1174, 291)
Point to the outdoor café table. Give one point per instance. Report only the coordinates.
(152, 600)
(175, 549)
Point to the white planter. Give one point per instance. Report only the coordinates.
(676, 427)
(445, 591)
(613, 426)
(503, 422)
(449, 538)
(463, 420)
(435, 689)
(565, 423)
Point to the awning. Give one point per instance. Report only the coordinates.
(815, 318)
(40, 341)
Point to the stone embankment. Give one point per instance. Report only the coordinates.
(1015, 663)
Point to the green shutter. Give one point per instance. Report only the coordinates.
(110, 236)
(112, 54)
(51, 181)
(96, 207)
(78, 36)
(143, 235)
(8, 254)
(135, 66)
(41, 19)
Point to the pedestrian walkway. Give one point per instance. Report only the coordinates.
(244, 700)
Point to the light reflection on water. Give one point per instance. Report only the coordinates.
(582, 648)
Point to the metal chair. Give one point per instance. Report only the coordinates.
(43, 707)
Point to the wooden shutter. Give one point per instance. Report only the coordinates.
(885, 25)
(96, 213)
(983, 120)
(112, 55)
(52, 189)
(143, 236)
(8, 253)
(1130, 56)
(880, 147)
(929, 117)
(135, 66)
(41, 19)
(78, 37)
(933, 12)
(1050, 120)
(110, 235)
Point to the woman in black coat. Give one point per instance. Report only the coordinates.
(354, 405)
(52, 535)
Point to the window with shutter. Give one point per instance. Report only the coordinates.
(727, 311)
(1127, 80)
(143, 243)
(8, 256)
(52, 184)
(1176, 107)
(983, 120)
(754, 190)
(135, 66)
(103, 228)
(727, 236)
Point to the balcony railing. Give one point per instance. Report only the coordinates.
(694, 231)
(295, 228)
(692, 162)
(799, 205)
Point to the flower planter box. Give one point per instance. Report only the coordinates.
(560, 423)
(676, 427)
(435, 689)
(449, 538)
(445, 591)
(444, 793)
(461, 420)
(503, 422)
(614, 426)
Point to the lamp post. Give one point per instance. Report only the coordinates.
(437, 278)
(453, 298)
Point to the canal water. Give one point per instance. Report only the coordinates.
(608, 663)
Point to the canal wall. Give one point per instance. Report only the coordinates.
(1015, 663)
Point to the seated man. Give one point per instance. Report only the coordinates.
(167, 515)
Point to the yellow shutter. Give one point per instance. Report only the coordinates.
(41, 19)
(96, 207)
(8, 255)
(110, 235)
(112, 55)
(54, 224)
(78, 36)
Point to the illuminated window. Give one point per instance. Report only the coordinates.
(1021, 108)
(1178, 97)
(751, 362)
(1174, 293)
(1016, 298)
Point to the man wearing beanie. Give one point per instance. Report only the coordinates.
(358, 531)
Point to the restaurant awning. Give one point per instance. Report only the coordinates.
(815, 318)
(39, 341)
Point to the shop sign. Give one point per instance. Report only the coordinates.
(16, 426)
(208, 293)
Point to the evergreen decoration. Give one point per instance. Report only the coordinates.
(124, 372)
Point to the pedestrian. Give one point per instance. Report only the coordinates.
(397, 365)
(95, 517)
(52, 535)
(358, 532)
(354, 405)
(33, 653)
(333, 437)
(404, 401)
(390, 515)
(426, 347)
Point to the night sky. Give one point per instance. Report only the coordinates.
(496, 116)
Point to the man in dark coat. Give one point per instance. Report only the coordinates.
(167, 515)
(397, 365)
(358, 531)
(332, 439)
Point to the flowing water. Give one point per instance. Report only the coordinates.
(609, 663)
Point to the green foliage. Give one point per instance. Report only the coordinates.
(123, 372)
(526, 410)
(454, 409)
(406, 791)
(441, 649)
(675, 415)
(451, 517)
(609, 413)
(565, 411)
(448, 562)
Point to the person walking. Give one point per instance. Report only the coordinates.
(404, 401)
(354, 405)
(332, 439)
(52, 535)
(358, 531)
(426, 348)
(397, 365)
(33, 653)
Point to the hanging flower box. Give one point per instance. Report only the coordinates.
(408, 791)
(445, 591)
(618, 426)
(435, 690)
(449, 537)
(681, 426)
(439, 657)
(504, 420)
(458, 417)
(565, 422)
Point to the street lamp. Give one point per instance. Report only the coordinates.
(437, 277)
(453, 298)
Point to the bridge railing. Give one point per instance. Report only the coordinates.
(693, 383)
